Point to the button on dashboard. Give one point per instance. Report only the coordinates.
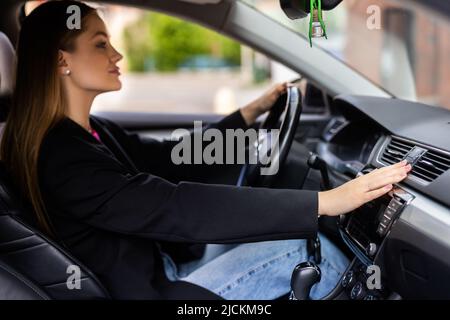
(381, 229)
(395, 204)
(371, 249)
(386, 220)
(349, 279)
(389, 212)
(358, 292)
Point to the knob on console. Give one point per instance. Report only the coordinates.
(371, 250)
(358, 291)
(349, 279)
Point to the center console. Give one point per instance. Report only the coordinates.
(365, 231)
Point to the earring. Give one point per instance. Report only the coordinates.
(67, 72)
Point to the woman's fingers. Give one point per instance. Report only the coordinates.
(389, 177)
(282, 87)
(374, 194)
(362, 190)
(384, 181)
(392, 168)
(378, 177)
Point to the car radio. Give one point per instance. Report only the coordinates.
(369, 224)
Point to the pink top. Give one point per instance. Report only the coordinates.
(95, 134)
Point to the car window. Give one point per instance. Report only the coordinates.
(171, 65)
(402, 46)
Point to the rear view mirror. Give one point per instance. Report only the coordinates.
(298, 9)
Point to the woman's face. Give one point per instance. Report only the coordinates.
(93, 63)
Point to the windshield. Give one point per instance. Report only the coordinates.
(401, 46)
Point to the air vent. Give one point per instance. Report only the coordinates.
(396, 150)
(430, 166)
(335, 126)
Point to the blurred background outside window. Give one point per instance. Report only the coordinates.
(171, 65)
(409, 56)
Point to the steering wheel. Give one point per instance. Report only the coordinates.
(286, 110)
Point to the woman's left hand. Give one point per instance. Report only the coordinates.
(264, 103)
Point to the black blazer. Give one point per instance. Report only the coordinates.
(113, 203)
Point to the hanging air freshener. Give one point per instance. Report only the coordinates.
(317, 27)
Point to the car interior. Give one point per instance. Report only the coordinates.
(332, 133)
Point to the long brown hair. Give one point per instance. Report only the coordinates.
(38, 100)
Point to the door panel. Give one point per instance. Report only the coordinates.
(161, 125)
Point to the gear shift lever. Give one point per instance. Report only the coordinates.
(307, 274)
(315, 162)
(304, 276)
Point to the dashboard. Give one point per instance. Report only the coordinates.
(406, 233)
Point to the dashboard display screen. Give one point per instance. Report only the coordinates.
(363, 222)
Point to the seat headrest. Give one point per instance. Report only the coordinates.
(7, 62)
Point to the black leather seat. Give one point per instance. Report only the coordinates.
(15, 286)
(31, 265)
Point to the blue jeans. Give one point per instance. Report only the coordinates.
(257, 271)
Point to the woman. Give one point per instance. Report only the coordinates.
(116, 200)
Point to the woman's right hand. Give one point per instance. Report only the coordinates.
(361, 190)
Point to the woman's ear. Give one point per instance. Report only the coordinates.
(62, 63)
